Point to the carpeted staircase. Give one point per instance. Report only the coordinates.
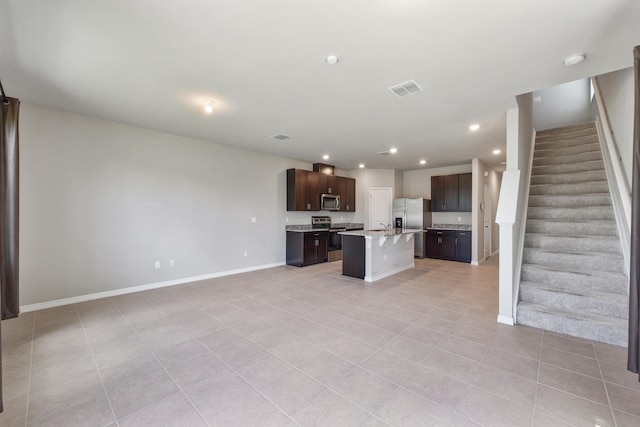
(573, 278)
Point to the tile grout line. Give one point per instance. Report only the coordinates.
(95, 363)
(33, 336)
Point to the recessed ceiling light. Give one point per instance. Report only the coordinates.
(332, 60)
(361, 165)
(474, 127)
(393, 150)
(496, 151)
(574, 59)
(326, 157)
(423, 162)
(208, 106)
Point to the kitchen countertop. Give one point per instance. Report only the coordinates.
(380, 233)
(303, 228)
(460, 227)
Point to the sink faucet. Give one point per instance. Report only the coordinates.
(387, 227)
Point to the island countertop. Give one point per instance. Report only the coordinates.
(380, 233)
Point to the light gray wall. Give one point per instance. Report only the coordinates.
(366, 179)
(100, 202)
(562, 105)
(617, 93)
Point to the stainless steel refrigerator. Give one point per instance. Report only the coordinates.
(413, 214)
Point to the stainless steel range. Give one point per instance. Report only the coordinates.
(334, 244)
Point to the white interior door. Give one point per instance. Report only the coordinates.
(380, 200)
(487, 221)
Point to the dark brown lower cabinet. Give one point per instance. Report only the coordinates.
(306, 248)
(450, 245)
(463, 246)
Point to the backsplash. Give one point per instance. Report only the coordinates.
(451, 218)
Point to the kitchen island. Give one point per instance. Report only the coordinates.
(373, 255)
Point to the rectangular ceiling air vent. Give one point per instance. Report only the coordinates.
(280, 136)
(407, 88)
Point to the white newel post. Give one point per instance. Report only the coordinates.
(506, 218)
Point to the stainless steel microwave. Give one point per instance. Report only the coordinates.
(329, 202)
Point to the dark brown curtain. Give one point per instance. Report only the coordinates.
(634, 276)
(8, 214)
(9, 208)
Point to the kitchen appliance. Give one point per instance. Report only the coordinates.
(413, 214)
(334, 243)
(329, 202)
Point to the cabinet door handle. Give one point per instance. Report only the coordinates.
(456, 241)
(317, 242)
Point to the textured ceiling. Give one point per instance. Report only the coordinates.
(151, 63)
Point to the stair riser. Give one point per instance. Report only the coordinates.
(605, 228)
(567, 168)
(567, 178)
(569, 214)
(569, 201)
(568, 243)
(614, 305)
(573, 327)
(573, 158)
(569, 189)
(553, 150)
(572, 261)
(575, 281)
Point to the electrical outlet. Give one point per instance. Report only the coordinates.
(246, 253)
(253, 219)
(172, 262)
(459, 219)
(157, 264)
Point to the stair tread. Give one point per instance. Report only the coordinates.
(576, 236)
(567, 252)
(581, 272)
(584, 292)
(586, 317)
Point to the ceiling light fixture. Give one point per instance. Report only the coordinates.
(496, 151)
(332, 60)
(325, 157)
(208, 106)
(423, 162)
(574, 59)
(361, 165)
(474, 127)
(393, 150)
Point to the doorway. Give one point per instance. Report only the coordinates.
(487, 221)
(380, 200)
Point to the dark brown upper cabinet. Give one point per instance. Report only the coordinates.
(464, 192)
(303, 190)
(451, 193)
(305, 187)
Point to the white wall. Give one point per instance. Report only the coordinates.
(100, 202)
(617, 93)
(562, 105)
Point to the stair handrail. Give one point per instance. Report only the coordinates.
(617, 180)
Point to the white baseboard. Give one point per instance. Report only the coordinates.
(505, 320)
(130, 290)
(474, 263)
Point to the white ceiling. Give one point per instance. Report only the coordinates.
(151, 63)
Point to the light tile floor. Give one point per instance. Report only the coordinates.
(306, 346)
